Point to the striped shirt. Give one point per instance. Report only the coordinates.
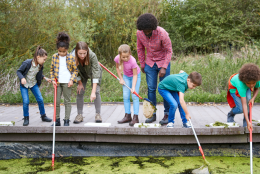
(158, 47)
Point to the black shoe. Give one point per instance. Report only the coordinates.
(230, 116)
(164, 120)
(45, 118)
(26, 121)
(152, 119)
(57, 123)
(67, 122)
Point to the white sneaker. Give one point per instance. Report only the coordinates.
(170, 125)
(186, 125)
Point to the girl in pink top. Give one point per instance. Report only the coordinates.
(126, 63)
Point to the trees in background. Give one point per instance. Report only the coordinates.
(210, 25)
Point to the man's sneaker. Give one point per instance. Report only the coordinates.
(78, 119)
(164, 120)
(170, 125)
(98, 118)
(186, 125)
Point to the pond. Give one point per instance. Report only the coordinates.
(175, 165)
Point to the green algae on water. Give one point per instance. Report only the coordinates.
(138, 165)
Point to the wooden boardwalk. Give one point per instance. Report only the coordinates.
(123, 133)
(111, 113)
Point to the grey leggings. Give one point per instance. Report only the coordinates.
(80, 99)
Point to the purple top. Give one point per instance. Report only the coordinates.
(128, 66)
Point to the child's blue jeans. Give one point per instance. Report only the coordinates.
(173, 100)
(126, 94)
(37, 94)
(238, 109)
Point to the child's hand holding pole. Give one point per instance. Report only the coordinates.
(122, 82)
(54, 83)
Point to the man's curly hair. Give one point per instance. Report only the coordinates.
(146, 21)
(249, 72)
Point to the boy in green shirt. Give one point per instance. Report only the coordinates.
(239, 92)
(172, 90)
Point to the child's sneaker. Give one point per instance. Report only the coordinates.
(186, 125)
(170, 125)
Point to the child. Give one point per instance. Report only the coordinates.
(30, 75)
(126, 63)
(169, 89)
(239, 92)
(64, 69)
(88, 67)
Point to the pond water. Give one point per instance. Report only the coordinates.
(175, 165)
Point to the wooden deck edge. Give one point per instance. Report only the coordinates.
(105, 138)
(124, 131)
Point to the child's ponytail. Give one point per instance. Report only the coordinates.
(123, 49)
(39, 52)
(63, 40)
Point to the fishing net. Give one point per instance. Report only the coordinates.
(148, 109)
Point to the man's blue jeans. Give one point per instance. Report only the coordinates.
(151, 79)
(238, 109)
(37, 94)
(173, 100)
(126, 94)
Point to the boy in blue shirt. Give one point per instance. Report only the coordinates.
(172, 89)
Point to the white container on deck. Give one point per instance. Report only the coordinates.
(6, 124)
(91, 124)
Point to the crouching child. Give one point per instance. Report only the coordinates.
(239, 92)
(172, 89)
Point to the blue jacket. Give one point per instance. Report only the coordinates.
(25, 67)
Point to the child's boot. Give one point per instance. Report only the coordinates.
(45, 118)
(135, 120)
(78, 119)
(98, 118)
(57, 123)
(26, 121)
(67, 122)
(164, 120)
(152, 119)
(230, 116)
(126, 119)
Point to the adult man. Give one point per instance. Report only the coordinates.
(158, 46)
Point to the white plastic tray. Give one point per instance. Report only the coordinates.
(147, 125)
(229, 125)
(91, 124)
(6, 124)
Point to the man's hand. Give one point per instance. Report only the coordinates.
(162, 72)
(70, 83)
(80, 87)
(142, 69)
(23, 81)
